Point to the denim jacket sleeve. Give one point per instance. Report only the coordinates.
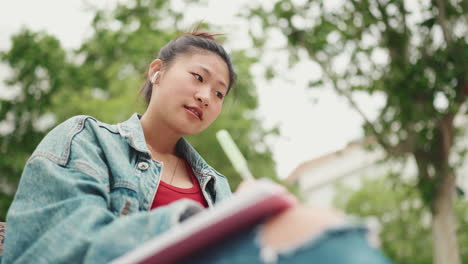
(61, 211)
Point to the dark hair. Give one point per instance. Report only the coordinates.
(190, 43)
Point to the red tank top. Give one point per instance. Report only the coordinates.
(167, 193)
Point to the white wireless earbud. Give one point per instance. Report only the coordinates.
(155, 77)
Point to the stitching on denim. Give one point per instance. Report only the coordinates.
(90, 171)
(205, 193)
(199, 165)
(81, 166)
(108, 128)
(77, 129)
(86, 168)
(124, 184)
(63, 159)
(47, 155)
(124, 131)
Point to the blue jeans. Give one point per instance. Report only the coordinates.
(347, 244)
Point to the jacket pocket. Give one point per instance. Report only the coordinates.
(123, 198)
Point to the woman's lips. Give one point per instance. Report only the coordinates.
(195, 111)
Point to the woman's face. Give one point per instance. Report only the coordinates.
(189, 94)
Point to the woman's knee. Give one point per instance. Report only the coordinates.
(302, 234)
(297, 224)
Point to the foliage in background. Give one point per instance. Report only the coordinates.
(101, 79)
(414, 54)
(405, 231)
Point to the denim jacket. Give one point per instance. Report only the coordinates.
(86, 192)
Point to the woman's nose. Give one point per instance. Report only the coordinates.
(202, 96)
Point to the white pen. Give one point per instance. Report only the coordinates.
(234, 154)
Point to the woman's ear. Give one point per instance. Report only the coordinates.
(154, 67)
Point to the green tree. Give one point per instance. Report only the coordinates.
(37, 61)
(405, 232)
(101, 79)
(415, 54)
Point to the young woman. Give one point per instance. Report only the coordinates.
(91, 191)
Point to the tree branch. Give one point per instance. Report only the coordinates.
(402, 8)
(384, 15)
(445, 126)
(442, 20)
(401, 148)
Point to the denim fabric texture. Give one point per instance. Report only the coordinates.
(86, 191)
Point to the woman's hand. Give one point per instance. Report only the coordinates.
(249, 184)
(297, 224)
(245, 185)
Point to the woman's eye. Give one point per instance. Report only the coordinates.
(220, 95)
(198, 77)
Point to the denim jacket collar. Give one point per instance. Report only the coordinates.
(133, 131)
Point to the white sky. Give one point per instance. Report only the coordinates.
(312, 122)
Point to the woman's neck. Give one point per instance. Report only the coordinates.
(160, 138)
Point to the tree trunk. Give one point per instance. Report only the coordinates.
(444, 237)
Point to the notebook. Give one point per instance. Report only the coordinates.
(240, 211)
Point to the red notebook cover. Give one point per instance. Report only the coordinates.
(242, 210)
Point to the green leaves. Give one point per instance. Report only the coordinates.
(405, 231)
(415, 55)
(102, 79)
(389, 53)
(38, 69)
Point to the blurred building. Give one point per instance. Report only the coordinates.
(317, 178)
